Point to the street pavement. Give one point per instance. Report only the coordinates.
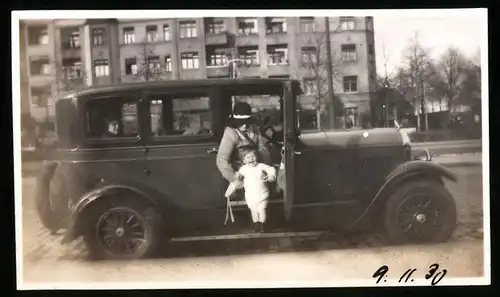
(287, 261)
(450, 147)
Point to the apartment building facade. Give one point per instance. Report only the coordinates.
(61, 54)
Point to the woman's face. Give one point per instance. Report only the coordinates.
(243, 127)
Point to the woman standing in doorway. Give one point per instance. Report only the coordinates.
(240, 134)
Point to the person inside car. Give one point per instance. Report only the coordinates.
(241, 133)
(113, 128)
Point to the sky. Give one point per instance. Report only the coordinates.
(434, 32)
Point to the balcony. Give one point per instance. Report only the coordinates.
(277, 38)
(274, 70)
(217, 71)
(247, 40)
(216, 39)
(71, 53)
(252, 71)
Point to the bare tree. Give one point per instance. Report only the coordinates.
(149, 66)
(314, 62)
(416, 60)
(470, 87)
(452, 67)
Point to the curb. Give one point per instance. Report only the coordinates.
(457, 154)
(462, 164)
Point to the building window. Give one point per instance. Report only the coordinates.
(101, 68)
(131, 66)
(187, 29)
(182, 115)
(40, 96)
(152, 33)
(275, 25)
(350, 84)
(128, 35)
(214, 26)
(98, 37)
(216, 56)
(369, 23)
(168, 63)
(310, 86)
(38, 35)
(371, 52)
(154, 64)
(249, 54)
(347, 23)
(190, 60)
(307, 25)
(72, 69)
(309, 54)
(120, 111)
(71, 38)
(40, 66)
(278, 54)
(348, 52)
(247, 26)
(167, 33)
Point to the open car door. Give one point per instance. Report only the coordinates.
(290, 139)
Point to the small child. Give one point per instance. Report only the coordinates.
(255, 175)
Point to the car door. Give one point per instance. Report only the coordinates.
(290, 130)
(181, 148)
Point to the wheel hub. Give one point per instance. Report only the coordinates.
(420, 217)
(120, 231)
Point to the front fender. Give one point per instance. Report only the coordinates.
(415, 167)
(403, 172)
(88, 198)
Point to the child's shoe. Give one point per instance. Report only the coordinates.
(257, 227)
(262, 229)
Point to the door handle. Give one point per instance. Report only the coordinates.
(212, 151)
(297, 153)
(145, 150)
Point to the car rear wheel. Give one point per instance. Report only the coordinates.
(420, 211)
(121, 231)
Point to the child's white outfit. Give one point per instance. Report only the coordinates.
(256, 190)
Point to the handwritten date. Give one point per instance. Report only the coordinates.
(432, 273)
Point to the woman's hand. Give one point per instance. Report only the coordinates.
(265, 177)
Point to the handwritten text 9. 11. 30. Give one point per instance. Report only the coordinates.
(433, 273)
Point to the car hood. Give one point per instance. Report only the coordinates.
(378, 137)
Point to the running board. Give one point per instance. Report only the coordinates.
(249, 235)
(243, 202)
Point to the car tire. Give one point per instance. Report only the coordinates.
(43, 204)
(424, 205)
(94, 233)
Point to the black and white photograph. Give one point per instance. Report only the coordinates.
(167, 149)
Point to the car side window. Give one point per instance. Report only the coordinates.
(178, 115)
(110, 118)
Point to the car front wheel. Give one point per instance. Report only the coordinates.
(121, 231)
(421, 211)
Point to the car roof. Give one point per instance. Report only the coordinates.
(124, 87)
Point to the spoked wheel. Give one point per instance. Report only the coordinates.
(420, 212)
(121, 232)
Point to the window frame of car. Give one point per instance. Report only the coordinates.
(100, 142)
(181, 93)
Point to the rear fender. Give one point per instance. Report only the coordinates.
(403, 173)
(98, 194)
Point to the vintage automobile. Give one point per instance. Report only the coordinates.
(156, 180)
